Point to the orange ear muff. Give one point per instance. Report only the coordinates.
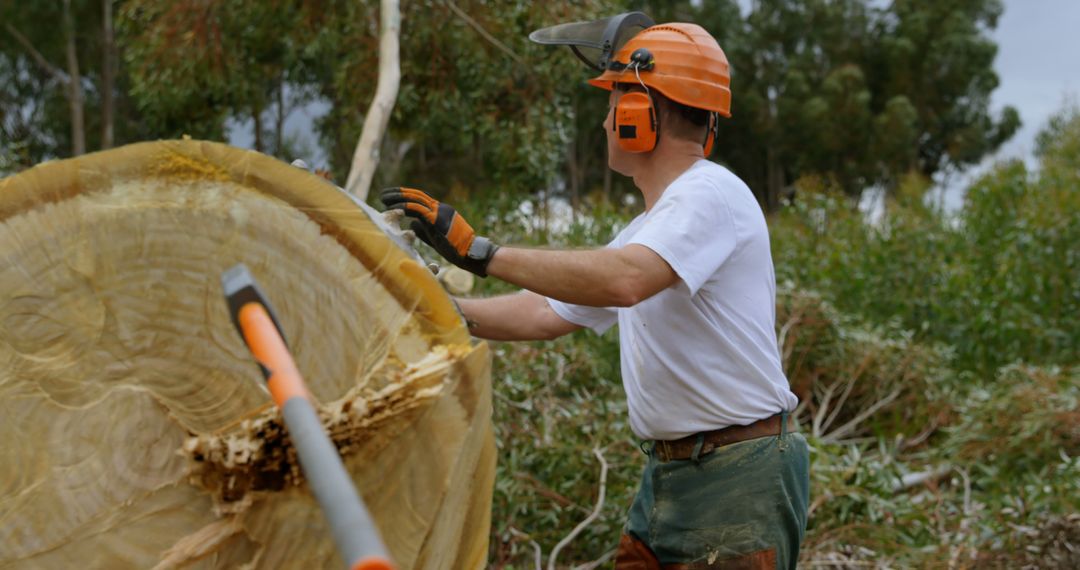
(710, 133)
(635, 122)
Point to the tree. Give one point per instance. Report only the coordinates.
(849, 90)
(479, 107)
(194, 64)
(61, 90)
(858, 94)
(53, 64)
(846, 90)
(939, 56)
(366, 157)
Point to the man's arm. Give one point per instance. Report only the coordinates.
(606, 277)
(521, 316)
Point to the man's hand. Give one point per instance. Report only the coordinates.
(441, 227)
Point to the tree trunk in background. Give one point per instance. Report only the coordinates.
(108, 77)
(75, 91)
(256, 114)
(574, 170)
(366, 158)
(774, 180)
(279, 125)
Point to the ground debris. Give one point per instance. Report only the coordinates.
(1053, 543)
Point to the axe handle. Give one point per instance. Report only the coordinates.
(354, 531)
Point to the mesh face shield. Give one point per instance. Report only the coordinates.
(595, 41)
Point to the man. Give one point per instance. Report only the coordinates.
(690, 283)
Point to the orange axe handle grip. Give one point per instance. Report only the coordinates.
(267, 346)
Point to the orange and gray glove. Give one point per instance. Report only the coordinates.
(441, 227)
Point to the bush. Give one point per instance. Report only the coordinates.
(856, 380)
(998, 283)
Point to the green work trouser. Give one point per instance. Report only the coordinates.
(742, 506)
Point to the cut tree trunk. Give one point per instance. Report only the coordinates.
(137, 430)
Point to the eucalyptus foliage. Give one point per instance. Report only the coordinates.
(852, 91)
(981, 283)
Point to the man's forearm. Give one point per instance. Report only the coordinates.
(495, 318)
(522, 316)
(596, 277)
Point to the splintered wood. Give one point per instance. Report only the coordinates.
(137, 432)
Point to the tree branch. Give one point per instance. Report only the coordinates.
(915, 479)
(599, 561)
(480, 30)
(588, 520)
(36, 55)
(843, 430)
(535, 545)
(366, 157)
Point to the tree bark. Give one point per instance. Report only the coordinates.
(774, 179)
(108, 78)
(279, 125)
(366, 158)
(574, 178)
(256, 114)
(75, 91)
(36, 55)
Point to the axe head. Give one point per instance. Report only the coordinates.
(240, 289)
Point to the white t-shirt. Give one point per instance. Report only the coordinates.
(701, 354)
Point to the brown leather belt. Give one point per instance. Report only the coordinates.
(684, 448)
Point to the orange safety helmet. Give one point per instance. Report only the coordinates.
(683, 62)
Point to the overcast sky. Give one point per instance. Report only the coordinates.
(1038, 63)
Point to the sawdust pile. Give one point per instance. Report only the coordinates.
(137, 430)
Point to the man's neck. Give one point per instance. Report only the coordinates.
(664, 165)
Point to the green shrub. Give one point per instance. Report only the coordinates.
(999, 283)
(1027, 419)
